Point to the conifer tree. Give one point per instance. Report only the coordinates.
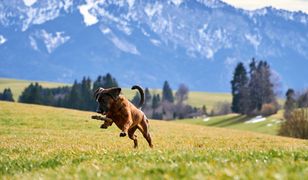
(148, 97)
(239, 89)
(6, 95)
(136, 99)
(167, 93)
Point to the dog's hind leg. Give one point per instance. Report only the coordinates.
(132, 136)
(143, 127)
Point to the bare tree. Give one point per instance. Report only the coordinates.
(182, 93)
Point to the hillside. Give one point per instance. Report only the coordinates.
(39, 142)
(270, 125)
(197, 99)
(17, 86)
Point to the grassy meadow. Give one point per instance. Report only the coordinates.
(40, 142)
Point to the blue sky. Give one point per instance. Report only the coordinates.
(291, 5)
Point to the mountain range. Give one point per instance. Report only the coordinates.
(195, 42)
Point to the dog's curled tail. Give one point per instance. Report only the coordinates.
(141, 94)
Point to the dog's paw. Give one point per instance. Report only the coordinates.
(122, 134)
(95, 117)
(104, 126)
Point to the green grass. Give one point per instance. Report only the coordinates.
(39, 142)
(196, 99)
(235, 121)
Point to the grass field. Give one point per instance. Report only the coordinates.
(39, 142)
(196, 99)
(235, 121)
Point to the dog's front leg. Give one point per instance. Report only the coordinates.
(126, 127)
(106, 124)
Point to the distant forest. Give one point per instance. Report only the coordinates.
(165, 106)
(253, 93)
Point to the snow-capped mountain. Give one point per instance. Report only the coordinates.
(196, 42)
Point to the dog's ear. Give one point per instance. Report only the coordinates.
(97, 92)
(115, 92)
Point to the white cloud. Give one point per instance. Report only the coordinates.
(29, 2)
(291, 5)
(2, 40)
(88, 18)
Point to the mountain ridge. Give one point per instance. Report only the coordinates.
(146, 42)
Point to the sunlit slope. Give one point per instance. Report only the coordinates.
(17, 86)
(235, 121)
(38, 142)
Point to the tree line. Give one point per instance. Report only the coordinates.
(166, 105)
(78, 96)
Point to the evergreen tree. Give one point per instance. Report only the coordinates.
(253, 88)
(6, 95)
(261, 89)
(148, 97)
(266, 86)
(32, 94)
(239, 89)
(106, 81)
(155, 101)
(136, 99)
(204, 110)
(73, 100)
(167, 93)
(110, 81)
(86, 100)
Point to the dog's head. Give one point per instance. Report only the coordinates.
(105, 98)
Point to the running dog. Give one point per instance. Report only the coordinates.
(123, 113)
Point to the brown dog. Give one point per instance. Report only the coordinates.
(123, 113)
